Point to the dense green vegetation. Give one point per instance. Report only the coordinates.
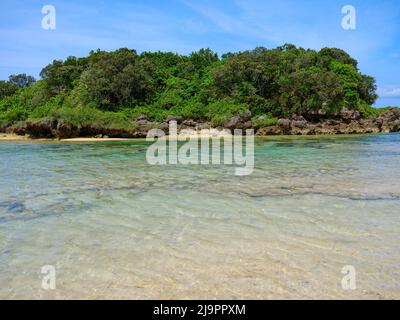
(114, 88)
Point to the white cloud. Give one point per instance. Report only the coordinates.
(392, 91)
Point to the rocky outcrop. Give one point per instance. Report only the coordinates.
(41, 128)
(59, 129)
(390, 120)
(241, 121)
(65, 130)
(348, 122)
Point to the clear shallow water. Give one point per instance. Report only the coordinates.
(116, 227)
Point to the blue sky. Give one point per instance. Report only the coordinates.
(186, 25)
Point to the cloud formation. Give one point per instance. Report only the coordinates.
(390, 91)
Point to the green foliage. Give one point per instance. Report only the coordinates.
(220, 112)
(117, 78)
(115, 88)
(350, 80)
(61, 75)
(7, 89)
(81, 117)
(334, 54)
(267, 122)
(21, 80)
(367, 111)
(16, 81)
(20, 105)
(374, 112)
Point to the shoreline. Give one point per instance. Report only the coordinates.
(17, 138)
(349, 122)
(9, 137)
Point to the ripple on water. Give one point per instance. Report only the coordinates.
(116, 227)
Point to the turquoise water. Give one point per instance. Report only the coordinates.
(115, 227)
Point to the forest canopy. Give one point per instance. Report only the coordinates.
(122, 85)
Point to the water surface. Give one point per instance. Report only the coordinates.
(115, 227)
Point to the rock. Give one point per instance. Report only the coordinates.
(164, 127)
(395, 126)
(269, 131)
(234, 123)
(324, 129)
(390, 120)
(18, 129)
(349, 115)
(91, 131)
(118, 133)
(390, 115)
(178, 119)
(241, 121)
(141, 117)
(245, 116)
(247, 125)
(203, 126)
(189, 123)
(143, 122)
(370, 125)
(41, 128)
(299, 122)
(66, 130)
(284, 125)
(332, 122)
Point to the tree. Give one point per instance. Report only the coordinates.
(279, 82)
(117, 79)
(21, 80)
(62, 75)
(7, 89)
(338, 55)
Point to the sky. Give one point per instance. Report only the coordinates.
(184, 26)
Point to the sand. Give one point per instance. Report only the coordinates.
(12, 137)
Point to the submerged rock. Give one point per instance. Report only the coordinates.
(13, 206)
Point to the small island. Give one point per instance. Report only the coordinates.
(123, 94)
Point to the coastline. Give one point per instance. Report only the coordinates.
(17, 138)
(347, 122)
(6, 137)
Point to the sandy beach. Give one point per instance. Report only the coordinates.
(14, 137)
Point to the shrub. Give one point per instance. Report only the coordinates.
(267, 122)
(220, 112)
